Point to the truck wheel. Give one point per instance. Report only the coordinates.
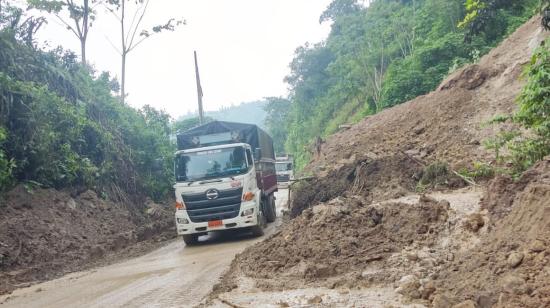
(258, 230)
(190, 239)
(271, 212)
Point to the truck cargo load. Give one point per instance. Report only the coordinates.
(221, 132)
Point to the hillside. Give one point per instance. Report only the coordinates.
(79, 169)
(384, 54)
(448, 124)
(361, 235)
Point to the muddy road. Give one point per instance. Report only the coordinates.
(172, 276)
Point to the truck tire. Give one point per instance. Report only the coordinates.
(258, 230)
(190, 239)
(271, 212)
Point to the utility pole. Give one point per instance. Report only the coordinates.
(199, 89)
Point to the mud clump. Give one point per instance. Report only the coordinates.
(374, 179)
(45, 233)
(339, 237)
(509, 268)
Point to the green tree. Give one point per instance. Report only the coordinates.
(62, 127)
(381, 55)
(278, 110)
(76, 16)
(132, 34)
(534, 111)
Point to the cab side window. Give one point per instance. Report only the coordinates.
(249, 157)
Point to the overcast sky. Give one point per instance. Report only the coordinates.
(244, 48)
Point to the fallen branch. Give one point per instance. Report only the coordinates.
(466, 179)
(416, 160)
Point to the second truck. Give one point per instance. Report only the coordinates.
(225, 179)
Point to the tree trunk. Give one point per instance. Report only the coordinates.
(123, 54)
(83, 51)
(84, 35)
(123, 79)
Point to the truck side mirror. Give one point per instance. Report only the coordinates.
(257, 153)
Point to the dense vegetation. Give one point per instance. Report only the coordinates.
(61, 126)
(382, 55)
(526, 147)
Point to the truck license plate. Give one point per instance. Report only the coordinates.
(215, 223)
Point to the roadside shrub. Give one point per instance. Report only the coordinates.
(520, 150)
(479, 171)
(435, 174)
(6, 165)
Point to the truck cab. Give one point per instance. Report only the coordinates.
(222, 181)
(284, 166)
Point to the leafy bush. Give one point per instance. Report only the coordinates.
(6, 165)
(434, 174)
(63, 127)
(479, 171)
(523, 149)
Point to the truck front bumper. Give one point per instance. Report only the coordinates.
(232, 223)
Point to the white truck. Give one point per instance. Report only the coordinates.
(284, 166)
(225, 179)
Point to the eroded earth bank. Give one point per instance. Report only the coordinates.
(388, 222)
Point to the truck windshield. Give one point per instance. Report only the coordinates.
(283, 167)
(210, 164)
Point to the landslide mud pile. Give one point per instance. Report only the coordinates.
(374, 179)
(435, 253)
(447, 124)
(45, 233)
(511, 266)
(332, 243)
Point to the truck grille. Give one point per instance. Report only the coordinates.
(283, 177)
(202, 209)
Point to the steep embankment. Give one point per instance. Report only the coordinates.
(45, 233)
(447, 124)
(438, 250)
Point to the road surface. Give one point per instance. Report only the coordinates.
(172, 276)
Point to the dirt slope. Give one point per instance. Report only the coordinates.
(446, 124)
(442, 249)
(510, 267)
(45, 233)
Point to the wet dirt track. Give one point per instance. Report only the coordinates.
(172, 276)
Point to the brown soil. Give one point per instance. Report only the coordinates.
(333, 243)
(374, 179)
(510, 267)
(466, 252)
(45, 233)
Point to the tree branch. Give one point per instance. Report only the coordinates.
(113, 45)
(67, 25)
(72, 9)
(130, 46)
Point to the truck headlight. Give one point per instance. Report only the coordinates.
(182, 221)
(248, 196)
(180, 205)
(248, 212)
